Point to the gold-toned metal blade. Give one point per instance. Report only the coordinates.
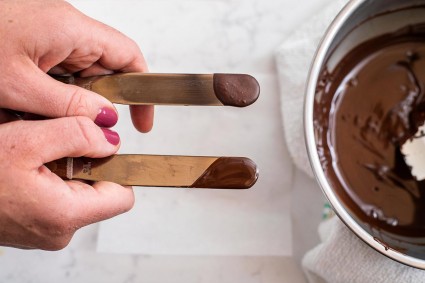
(142, 170)
(151, 89)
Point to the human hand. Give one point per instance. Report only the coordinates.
(40, 36)
(37, 208)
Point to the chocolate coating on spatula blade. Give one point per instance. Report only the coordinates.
(229, 173)
(236, 89)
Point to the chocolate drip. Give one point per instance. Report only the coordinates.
(236, 90)
(229, 173)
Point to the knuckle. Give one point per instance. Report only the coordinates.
(54, 243)
(83, 132)
(78, 104)
(55, 232)
(58, 224)
(134, 45)
(19, 144)
(131, 202)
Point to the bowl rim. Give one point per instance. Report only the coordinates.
(315, 163)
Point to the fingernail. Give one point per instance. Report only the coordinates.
(111, 136)
(107, 117)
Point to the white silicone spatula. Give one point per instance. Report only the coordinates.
(414, 153)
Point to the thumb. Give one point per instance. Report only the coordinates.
(34, 91)
(34, 143)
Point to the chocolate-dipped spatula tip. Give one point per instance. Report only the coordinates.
(238, 90)
(229, 173)
(161, 170)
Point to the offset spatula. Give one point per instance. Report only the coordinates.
(161, 170)
(172, 89)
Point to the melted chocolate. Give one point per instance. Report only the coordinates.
(236, 90)
(229, 173)
(365, 110)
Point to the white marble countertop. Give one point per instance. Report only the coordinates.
(204, 36)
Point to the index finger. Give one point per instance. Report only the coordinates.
(120, 53)
(128, 59)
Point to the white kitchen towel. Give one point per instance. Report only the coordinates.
(341, 257)
(294, 57)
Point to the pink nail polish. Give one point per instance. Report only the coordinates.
(111, 136)
(107, 117)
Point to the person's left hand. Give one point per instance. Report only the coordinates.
(37, 208)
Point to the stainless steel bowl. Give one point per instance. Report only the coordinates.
(352, 26)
